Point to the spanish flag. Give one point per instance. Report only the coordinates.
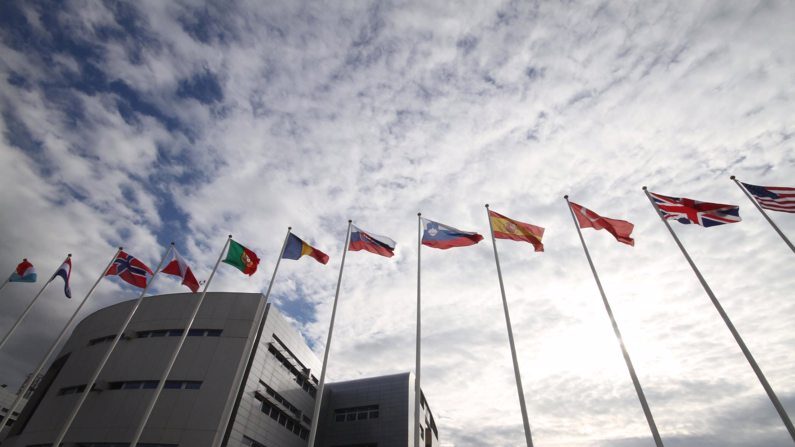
(505, 228)
(296, 248)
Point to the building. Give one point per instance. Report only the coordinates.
(244, 377)
(7, 399)
(374, 412)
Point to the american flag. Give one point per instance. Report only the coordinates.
(773, 198)
(689, 211)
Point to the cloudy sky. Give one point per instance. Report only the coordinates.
(141, 123)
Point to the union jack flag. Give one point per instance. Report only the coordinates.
(774, 198)
(130, 269)
(689, 211)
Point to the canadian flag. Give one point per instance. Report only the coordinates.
(178, 267)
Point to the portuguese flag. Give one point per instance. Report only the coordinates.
(242, 258)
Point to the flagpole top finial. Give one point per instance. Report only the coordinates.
(230, 236)
(566, 197)
(172, 243)
(69, 255)
(24, 259)
(487, 205)
(732, 177)
(121, 248)
(419, 214)
(644, 188)
(350, 220)
(289, 228)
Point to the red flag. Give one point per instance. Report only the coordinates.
(178, 267)
(130, 269)
(621, 229)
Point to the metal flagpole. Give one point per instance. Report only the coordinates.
(27, 309)
(417, 365)
(319, 395)
(58, 340)
(84, 395)
(5, 282)
(772, 395)
(173, 359)
(519, 388)
(222, 437)
(642, 397)
(773, 224)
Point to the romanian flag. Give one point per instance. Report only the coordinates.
(296, 248)
(505, 228)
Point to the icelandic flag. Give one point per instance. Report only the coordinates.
(442, 236)
(25, 272)
(362, 240)
(65, 271)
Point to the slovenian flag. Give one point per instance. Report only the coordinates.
(25, 272)
(296, 248)
(442, 236)
(362, 240)
(65, 271)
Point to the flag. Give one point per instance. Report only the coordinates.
(689, 211)
(295, 248)
(178, 267)
(362, 240)
(25, 272)
(505, 228)
(442, 236)
(65, 272)
(773, 198)
(241, 257)
(620, 229)
(130, 269)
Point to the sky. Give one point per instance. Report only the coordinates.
(140, 123)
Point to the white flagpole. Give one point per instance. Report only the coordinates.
(58, 340)
(5, 282)
(417, 365)
(519, 389)
(758, 371)
(319, 395)
(84, 395)
(773, 224)
(27, 309)
(642, 397)
(174, 355)
(219, 439)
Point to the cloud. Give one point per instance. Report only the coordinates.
(141, 124)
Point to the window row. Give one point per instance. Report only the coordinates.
(248, 442)
(356, 413)
(279, 398)
(300, 377)
(290, 423)
(161, 333)
(108, 444)
(137, 385)
(371, 444)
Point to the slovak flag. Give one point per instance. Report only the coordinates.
(130, 269)
(442, 236)
(65, 272)
(362, 240)
(25, 272)
(178, 267)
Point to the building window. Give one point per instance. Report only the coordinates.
(248, 442)
(300, 376)
(162, 333)
(137, 385)
(356, 413)
(293, 424)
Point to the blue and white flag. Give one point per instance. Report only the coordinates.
(25, 272)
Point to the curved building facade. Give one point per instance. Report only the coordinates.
(244, 377)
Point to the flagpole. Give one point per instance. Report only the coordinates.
(84, 395)
(417, 365)
(758, 371)
(5, 282)
(58, 340)
(773, 224)
(520, 391)
(173, 359)
(642, 397)
(27, 309)
(319, 395)
(222, 437)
